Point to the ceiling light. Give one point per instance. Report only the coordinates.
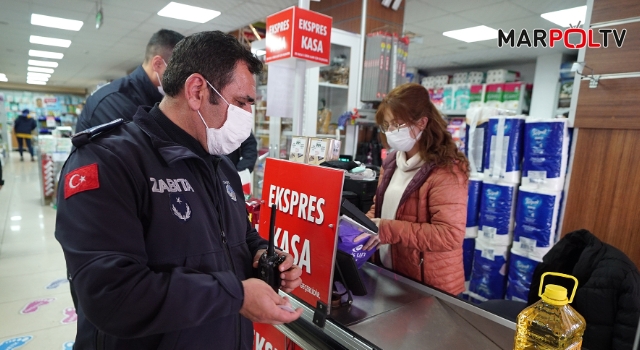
(45, 54)
(36, 82)
(55, 22)
(42, 40)
(40, 69)
(565, 18)
(473, 34)
(3, 78)
(188, 13)
(43, 63)
(38, 76)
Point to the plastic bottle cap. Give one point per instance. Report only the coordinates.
(555, 295)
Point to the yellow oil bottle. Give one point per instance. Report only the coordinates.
(550, 324)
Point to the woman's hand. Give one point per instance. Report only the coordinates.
(372, 243)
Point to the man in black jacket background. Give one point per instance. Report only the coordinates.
(143, 87)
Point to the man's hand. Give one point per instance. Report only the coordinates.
(261, 304)
(290, 273)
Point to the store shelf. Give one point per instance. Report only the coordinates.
(560, 111)
(337, 86)
(262, 132)
(454, 112)
(329, 136)
(261, 108)
(261, 87)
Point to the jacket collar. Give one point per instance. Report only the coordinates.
(170, 151)
(389, 165)
(149, 90)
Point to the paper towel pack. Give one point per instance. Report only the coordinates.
(489, 273)
(497, 210)
(536, 217)
(546, 153)
(503, 148)
(473, 207)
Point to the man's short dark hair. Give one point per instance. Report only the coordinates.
(214, 55)
(162, 43)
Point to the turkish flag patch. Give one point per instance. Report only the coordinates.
(81, 179)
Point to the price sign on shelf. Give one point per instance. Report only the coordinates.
(308, 200)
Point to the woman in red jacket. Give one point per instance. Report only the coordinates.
(421, 201)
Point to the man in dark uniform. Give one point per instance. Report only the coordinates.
(152, 220)
(143, 87)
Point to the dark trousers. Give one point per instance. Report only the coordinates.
(20, 149)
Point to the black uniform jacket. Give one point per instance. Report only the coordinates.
(156, 239)
(118, 99)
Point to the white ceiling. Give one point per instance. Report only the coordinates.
(97, 55)
(430, 18)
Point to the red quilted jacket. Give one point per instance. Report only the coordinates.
(426, 237)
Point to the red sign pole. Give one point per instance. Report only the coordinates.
(308, 199)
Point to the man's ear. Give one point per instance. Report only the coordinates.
(195, 91)
(157, 64)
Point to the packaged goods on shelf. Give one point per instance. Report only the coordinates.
(517, 96)
(503, 148)
(319, 150)
(47, 144)
(494, 96)
(497, 212)
(546, 153)
(475, 78)
(457, 128)
(477, 120)
(448, 97)
(502, 76)
(473, 207)
(521, 269)
(299, 149)
(475, 96)
(489, 273)
(460, 78)
(468, 250)
(436, 96)
(335, 149)
(566, 91)
(461, 97)
(536, 218)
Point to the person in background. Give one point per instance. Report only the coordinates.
(420, 205)
(23, 127)
(246, 155)
(151, 218)
(143, 87)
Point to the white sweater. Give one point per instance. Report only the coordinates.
(405, 171)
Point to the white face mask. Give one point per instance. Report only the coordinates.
(235, 130)
(401, 139)
(160, 89)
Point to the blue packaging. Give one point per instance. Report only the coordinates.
(497, 207)
(473, 207)
(503, 153)
(489, 275)
(546, 153)
(476, 146)
(521, 270)
(536, 217)
(468, 249)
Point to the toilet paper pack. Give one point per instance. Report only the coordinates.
(503, 148)
(475, 96)
(494, 95)
(521, 269)
(546, 153)
(497, 210)
(489, 272)
(473, 207)
(536, 218)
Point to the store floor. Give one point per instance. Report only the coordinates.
(35, 305)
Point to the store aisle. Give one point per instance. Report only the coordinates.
(35, 305)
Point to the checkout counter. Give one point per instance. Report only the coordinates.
(398, 313)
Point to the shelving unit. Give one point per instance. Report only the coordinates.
(330, 85)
